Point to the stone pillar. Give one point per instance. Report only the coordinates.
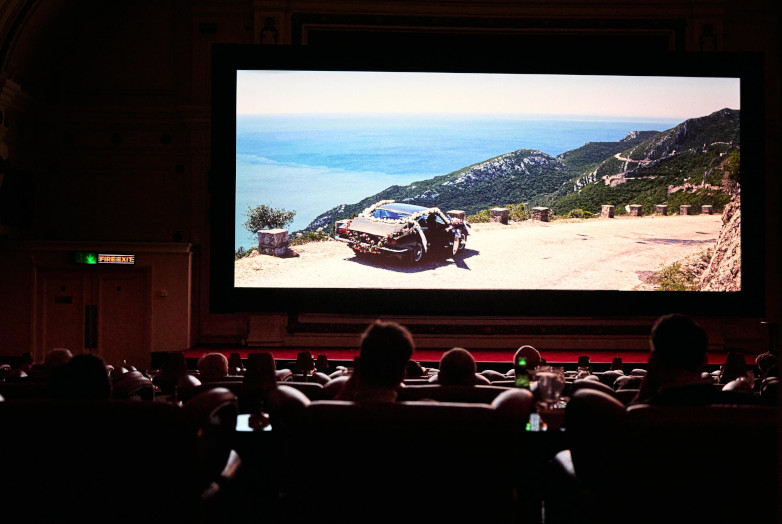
(636, 210)
(456, 213)
(607, 211)
(540, 214)
(273, 242)
(499, 214)
(706, 209)
(684, 209)
(661, 209)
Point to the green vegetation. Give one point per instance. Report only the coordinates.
(674, 278)
(579, 213)
(265, 217)
(698, 151)
(703, 196)
(588, 156)
(518, 176)
(732, 166)
(242, 253)
(517, 212)
(309, 236)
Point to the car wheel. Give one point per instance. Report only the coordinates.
(457, 245)
(417, 253)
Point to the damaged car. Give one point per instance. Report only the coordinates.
(404, 231)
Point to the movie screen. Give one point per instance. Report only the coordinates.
(486, 181)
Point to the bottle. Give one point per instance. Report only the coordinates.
(522, 373)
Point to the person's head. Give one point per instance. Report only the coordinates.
(457, 368)
(84, 377)
(530, 355)
(414, 369)
(305, 363)
(678, 345)
(57, 357)
(212, 366)
(384, 351)
(735, 366)
(765, 361)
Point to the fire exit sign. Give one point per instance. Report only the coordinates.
(93, 257)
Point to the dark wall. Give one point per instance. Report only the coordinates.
(105, 105)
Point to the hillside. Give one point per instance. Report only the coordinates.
(685, 164)
(513, 177)
(591, 154)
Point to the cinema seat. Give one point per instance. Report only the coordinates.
(98, 461)
(417, 461)
(472, 394)
(711, 464)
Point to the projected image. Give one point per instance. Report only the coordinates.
(392, 180)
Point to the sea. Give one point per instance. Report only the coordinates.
(312, 163)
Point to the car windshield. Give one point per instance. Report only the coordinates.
(389, 214)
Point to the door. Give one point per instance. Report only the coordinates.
(104, 312)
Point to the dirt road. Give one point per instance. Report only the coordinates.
(595, 254)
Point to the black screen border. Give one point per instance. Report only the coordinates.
(225, 298)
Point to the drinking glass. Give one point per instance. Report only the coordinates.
(550, 386)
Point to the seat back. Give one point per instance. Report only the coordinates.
(88, 461)
(689, 464)
(405, 461)
(591, 384)
(214, 411)
(729, 452)
(472, 394)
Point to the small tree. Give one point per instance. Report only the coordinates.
(265, 217)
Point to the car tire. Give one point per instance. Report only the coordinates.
(457, 245)
(417, 253)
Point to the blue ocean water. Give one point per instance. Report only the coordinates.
(312, 163)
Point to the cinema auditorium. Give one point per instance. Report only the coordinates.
(577, 320)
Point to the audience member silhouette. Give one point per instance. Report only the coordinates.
(212, 367)
(385, 349)
(26, 361)
(414, 369)
(677, 359)
(532, 359)
(767, 365)
(52, 361)
(735, 367)
(259, 379)
(458, 368)
(235, 364)
(174, 367)
(84, 377)
(306, 370)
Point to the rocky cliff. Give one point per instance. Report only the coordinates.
(724, 270)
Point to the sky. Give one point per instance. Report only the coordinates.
(312, 92)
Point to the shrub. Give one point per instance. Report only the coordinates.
(240, 253)
(309, 236)
(580, 213)
(518, 212)
(674, 278)
(481, 216)
(265, 217)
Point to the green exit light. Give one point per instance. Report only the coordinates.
(84, 257)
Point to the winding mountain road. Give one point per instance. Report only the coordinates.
(594, 254)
